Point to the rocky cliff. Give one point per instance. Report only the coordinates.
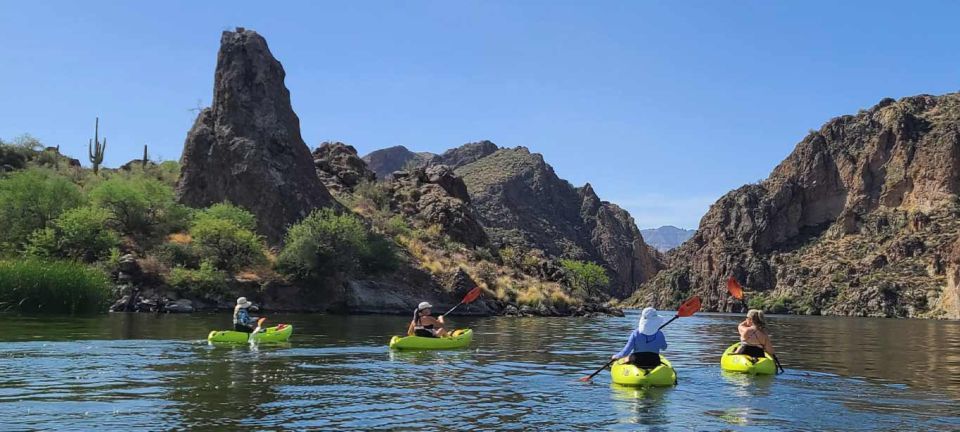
(385, 161)
(666, 237)
(521, 201)
(246, 147)
(339, 167)
(858, 220)
(436, 196)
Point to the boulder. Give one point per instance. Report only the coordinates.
(415, 195)
(247, 148)
(339, 167)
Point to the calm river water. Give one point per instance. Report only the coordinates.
(121, 371)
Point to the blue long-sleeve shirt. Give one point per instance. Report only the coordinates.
(643, 343)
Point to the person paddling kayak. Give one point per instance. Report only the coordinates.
(754, 340)
(646, 342)
(424, 324)
(242, 321)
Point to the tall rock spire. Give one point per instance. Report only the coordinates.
(246, 148)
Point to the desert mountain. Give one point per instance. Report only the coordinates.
(860, 219)
(385, 161)
(522, 202)
(666, 237)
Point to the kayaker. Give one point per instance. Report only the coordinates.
(754, 340)
(646, 342)
(424, 324)
(242, 321)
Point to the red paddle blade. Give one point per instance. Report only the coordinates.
(472, 295)
(689, 307)
(734, 287)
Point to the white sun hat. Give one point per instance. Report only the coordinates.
(649, 322)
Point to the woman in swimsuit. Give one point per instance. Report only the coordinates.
(754, 340)
(425, 325)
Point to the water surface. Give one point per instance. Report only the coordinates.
(126, 371)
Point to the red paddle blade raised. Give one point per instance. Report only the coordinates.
(472, 295)
(734, 287)
(689, 307)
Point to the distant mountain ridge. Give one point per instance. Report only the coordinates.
(666, 237)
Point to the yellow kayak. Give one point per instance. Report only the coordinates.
(279, 333)
(627, 374)
(459, 339)
(743, 363)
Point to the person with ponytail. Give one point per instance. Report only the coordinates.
(754, 339)
(424, 324)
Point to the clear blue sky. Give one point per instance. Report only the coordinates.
(662, 106)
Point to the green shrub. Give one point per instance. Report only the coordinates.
(32, 199)
(584, 276)
(77, 234)
(178, 255)
(239, 216)
(226, 245)
(140, 207)
(206, 280)
(375, 192)
(326, 243)
(52, 287)
(396, 225)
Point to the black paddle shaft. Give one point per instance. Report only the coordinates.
(668, 322)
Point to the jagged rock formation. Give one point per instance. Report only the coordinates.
(856, 221)
(246, 148)
(467, 153)
(521, 201)
(339, 167)
(666, 237)
(385, 161)
(435, 195)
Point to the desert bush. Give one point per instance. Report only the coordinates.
(206, 280)
(225, 244)
(139, 207)
(32, 199)
(77, 234)
(225, 210)
(326, 243)
(377, 193)
(174, 254)
(33, 286)
(584, 276)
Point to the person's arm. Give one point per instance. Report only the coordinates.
(440, 320)
(767, 344)
(628, 348)
(663, 341)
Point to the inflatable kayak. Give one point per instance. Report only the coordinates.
(279, 333)
(459, 339)
(746, 364)
(627, 374)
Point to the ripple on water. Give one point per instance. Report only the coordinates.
(520, 374)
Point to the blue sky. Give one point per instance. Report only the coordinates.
(662, 106)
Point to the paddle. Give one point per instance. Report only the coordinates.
(469, 298)
(256, 330)
(737, 292)
(686, 309)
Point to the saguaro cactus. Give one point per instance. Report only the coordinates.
(143, 163)
(95, 148)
